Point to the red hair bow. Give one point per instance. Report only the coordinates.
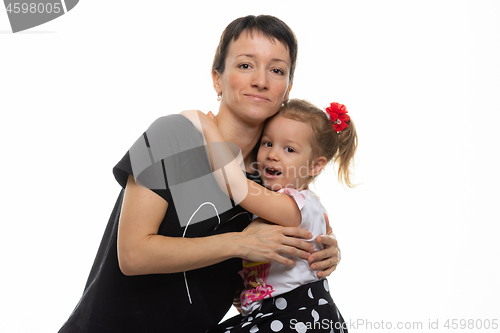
(338, 116)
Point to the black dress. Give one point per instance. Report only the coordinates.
(307, 308)
(170, 160)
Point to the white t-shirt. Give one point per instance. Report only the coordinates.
(269, 279)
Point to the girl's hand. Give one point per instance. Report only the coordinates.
(326, 260)
(261, 242)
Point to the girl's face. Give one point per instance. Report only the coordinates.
(255, 81)
(285, 154)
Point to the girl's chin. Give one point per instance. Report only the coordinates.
(274, 187)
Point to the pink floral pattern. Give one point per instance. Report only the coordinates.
(255, 279)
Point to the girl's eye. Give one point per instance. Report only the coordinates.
(267, 144)
(290, 150)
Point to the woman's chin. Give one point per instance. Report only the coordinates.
(258, 114)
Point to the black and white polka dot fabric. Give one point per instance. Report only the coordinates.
(308, 308)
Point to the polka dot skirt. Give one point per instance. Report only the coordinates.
(308, 308)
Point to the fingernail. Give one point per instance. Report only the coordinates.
(313, 267)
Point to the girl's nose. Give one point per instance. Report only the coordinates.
(273, 155)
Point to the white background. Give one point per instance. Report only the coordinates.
(421, 79)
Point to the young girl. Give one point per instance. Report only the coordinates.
(296, 145)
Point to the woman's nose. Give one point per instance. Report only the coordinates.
(259, 79)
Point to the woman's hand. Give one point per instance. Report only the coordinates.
(326, 260)
(262, 242)
(199, 119)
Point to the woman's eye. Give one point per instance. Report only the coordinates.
(278, 71)
(244, 66)
(290, 150)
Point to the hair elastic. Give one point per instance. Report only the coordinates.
(338, 116)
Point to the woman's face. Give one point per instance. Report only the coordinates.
(255, 81)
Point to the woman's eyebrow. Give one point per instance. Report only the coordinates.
(253, 56)
(277, 59)
(245, 55)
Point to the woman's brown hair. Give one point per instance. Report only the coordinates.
(269, 26)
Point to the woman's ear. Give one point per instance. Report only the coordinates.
(288, 92)
(216, 80)
(318, 165)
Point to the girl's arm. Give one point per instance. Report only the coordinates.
(253, 197)
(142, 251)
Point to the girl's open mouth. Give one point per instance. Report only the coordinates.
(271, 172)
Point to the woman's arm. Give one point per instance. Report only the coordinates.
(142, 251)
(253, 197)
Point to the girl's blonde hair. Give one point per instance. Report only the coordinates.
(326, 141)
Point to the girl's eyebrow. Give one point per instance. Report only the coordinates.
(295, 143)
(288, 142)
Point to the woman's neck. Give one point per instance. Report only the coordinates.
(243, 134)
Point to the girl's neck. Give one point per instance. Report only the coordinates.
(243, 134)
(303, 187)
(302, 184)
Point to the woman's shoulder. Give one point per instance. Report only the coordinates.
(170, 139)
(172, 131)
(175, 122)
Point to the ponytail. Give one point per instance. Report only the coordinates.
(348, 143)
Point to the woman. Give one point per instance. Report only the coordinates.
(170, 254)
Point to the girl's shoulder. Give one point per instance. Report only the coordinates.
(309, 194)
(312, 203)
(312, 214)
(303, 198)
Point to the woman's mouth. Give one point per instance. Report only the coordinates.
(271, 172)
(258, 98)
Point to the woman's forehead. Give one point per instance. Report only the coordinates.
(250, 33)
(256, 44)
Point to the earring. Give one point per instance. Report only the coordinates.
(219, 97)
